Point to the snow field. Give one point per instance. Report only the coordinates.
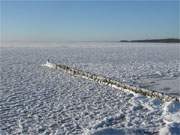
(39, 100)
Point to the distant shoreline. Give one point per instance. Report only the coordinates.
(167, 40)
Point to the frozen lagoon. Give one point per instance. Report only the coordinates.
(39, 100)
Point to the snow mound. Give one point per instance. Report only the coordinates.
(50, 65)
(171, 118)
(172, 112)
(170, 129)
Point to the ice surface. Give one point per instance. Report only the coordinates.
(40, 100)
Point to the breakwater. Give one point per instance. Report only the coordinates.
(110, 82)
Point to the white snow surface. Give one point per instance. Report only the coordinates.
(35, 99)
(49, 64)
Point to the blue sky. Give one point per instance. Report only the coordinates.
(89, 20)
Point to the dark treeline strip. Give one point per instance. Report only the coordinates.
(168, 40)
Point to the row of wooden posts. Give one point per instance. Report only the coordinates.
(114, 83)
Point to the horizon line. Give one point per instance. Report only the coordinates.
(86, 40)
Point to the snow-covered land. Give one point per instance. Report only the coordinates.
(40, 100)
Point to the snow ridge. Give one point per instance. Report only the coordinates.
(110, 82)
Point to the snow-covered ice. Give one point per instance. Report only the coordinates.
(38, 100)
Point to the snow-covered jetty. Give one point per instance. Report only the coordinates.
(110, 82)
